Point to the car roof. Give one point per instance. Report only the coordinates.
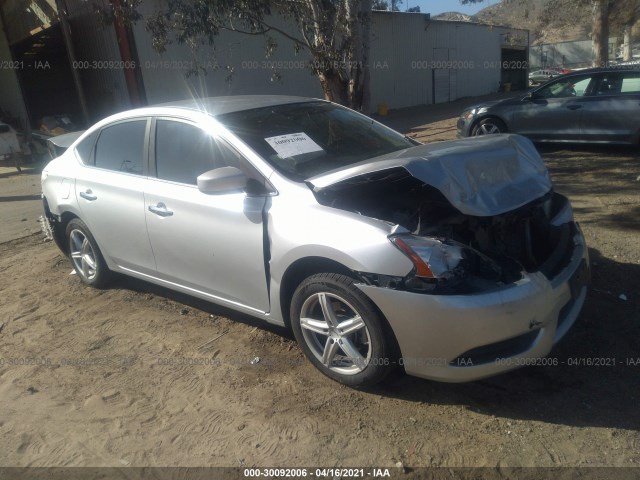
(228, 104)
(612, 69)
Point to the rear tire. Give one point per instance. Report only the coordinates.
(85, 255)
(488, 126)
(341, 331)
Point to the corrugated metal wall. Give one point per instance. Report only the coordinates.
(414, 61)
(98, 60)
(409, 52)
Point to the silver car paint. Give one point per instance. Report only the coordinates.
(112, 206)
(298, 228)
(299, 231)
(206, 258)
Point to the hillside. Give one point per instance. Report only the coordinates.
(454, 17)
(571, 24)
(568, 24)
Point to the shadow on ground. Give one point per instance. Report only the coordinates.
(20, 198)
(593, 170)
(140, 286)
(604, 393)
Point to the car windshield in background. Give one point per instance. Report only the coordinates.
(302, 140)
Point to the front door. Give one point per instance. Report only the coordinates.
(209, 244)
(554, 111)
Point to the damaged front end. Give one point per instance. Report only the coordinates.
(470, 219)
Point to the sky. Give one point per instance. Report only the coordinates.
(435, 7)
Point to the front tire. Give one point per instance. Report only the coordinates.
(340, 330)
(85, 255)
(488, 126)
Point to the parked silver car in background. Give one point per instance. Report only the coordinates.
(540, 76)
(596, 105)
(454, 261)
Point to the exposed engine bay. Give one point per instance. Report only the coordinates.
(496, 249)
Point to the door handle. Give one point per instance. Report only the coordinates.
(574, 107)
(160, 209)
(88, 195)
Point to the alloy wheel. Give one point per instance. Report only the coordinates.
(335, 333)
(82, 254)
(487, 129)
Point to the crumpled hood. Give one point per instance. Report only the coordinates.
(481, 176)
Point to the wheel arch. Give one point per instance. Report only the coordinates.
(58, 224)
(301, 269)
(307, 266)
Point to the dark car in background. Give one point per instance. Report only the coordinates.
(595, 105)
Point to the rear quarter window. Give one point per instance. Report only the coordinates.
(84, 149)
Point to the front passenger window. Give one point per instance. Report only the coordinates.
(567, 87)
(184, 151)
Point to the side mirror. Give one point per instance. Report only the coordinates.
(222, 180)
(529, 97)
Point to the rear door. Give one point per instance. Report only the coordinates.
(211, 244)
(109, 191)
(612, 112)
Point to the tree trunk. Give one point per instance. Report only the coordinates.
(360, 26)
(626, 49)
(344, 77)
(335, 88)
(600, 32)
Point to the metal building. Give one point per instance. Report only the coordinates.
(414, 61)
(418, 61)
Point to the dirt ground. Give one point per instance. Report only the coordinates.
(136, 375)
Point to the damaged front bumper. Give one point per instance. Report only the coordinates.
(460, 338)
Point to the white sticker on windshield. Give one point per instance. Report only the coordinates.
(293, 144)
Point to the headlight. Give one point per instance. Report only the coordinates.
(432, 258)
(447, 264)
(468, 114)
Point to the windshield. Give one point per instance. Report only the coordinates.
(302, 140)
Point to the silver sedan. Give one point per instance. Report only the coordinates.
(452, 261)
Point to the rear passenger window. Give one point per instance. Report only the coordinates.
(184, 151)
(121, 147)
(85, 148)
(631, 83)
(609, 84)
